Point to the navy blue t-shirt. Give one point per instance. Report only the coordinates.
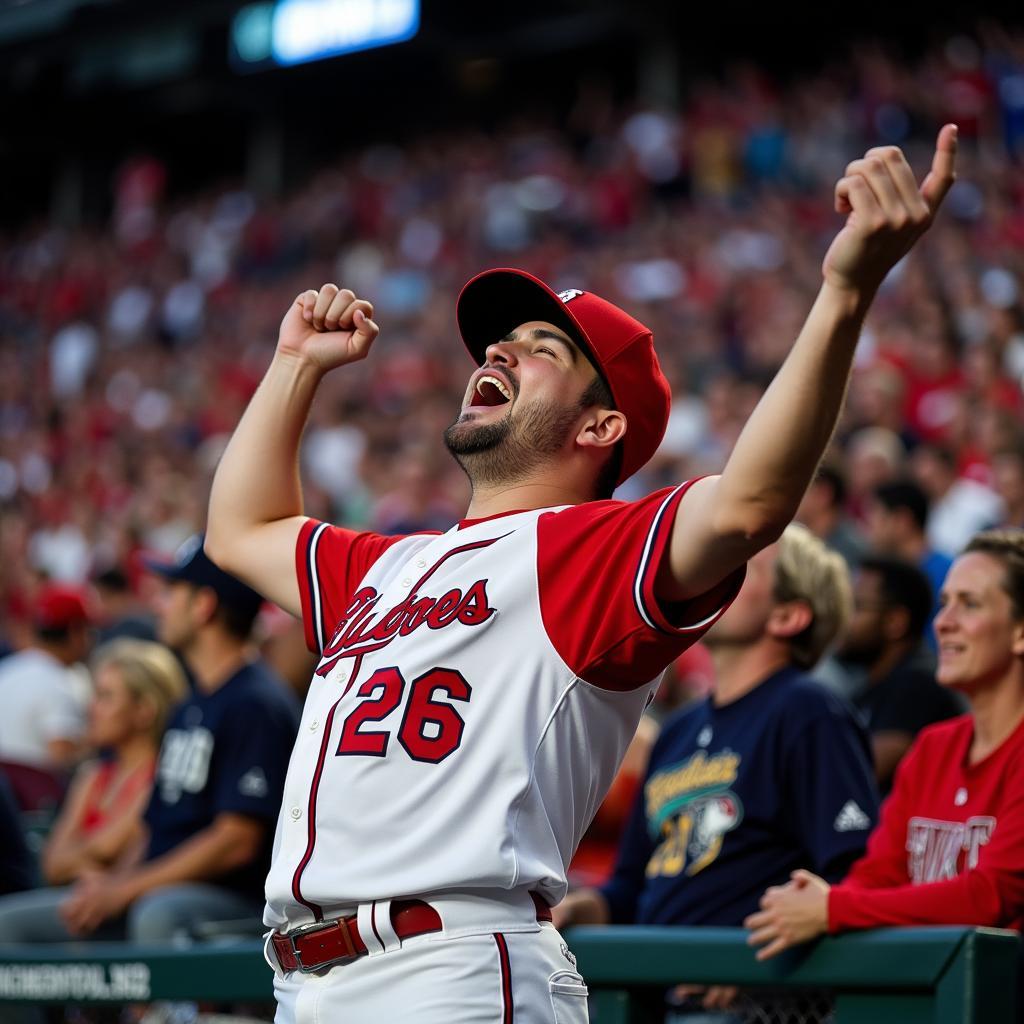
(225, 751)
(736, 797)
(17, 865)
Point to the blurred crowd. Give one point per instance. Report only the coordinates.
(128, 351)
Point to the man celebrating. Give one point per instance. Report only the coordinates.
(472, 700)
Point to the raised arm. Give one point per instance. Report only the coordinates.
(723, 520)
(256, 501)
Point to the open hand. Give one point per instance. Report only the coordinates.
(96, 897)
(789, 914)
(327, 328)
(886, 212)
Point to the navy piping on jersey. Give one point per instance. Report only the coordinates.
(506, 978)
(314, 908)
(314, 586)
(645, 559)
(647, 567)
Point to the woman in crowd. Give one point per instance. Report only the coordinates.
(950, 845)
(136, 684)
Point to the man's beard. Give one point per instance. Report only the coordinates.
(510, 449)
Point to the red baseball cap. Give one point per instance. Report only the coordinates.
(497, 301)
(58, 607)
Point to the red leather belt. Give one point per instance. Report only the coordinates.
(306, 949)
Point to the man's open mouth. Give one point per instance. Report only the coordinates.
(490, 390)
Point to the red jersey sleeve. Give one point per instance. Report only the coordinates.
(330, 562)
(596, 565)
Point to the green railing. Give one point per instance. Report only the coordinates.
(891, 976)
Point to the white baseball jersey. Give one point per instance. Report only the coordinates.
(475, 694)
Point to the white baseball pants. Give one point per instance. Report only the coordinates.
(500, 978)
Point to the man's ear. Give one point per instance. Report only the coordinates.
(1017, 643)
(789, 619)
(204, 605)
(602, 428)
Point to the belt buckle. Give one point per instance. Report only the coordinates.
(316, 926)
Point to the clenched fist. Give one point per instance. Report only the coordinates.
(886, 212)
(327, 328)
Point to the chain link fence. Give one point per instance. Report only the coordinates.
(759, 1006)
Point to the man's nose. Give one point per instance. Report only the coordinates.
(502, 352)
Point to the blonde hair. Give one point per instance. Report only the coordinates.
(806, 570)
(151, 674)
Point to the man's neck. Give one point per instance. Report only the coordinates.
(743, 667)
(542, 493)
(888, 660)
(135, 751)
(56, 651)
(214, 658)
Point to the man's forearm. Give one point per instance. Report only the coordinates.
(779, 449)
(257, 480)
(206, 855)
(255, 516)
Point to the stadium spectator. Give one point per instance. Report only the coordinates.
(43, 712)
(950, 845)
(892, 605)
(1008, 482)
(100, 823)
(119, 612)
(137, 683)
(960, 507)
(770, 772)
(218, 783)
(897, 523)
(874, 456)
(823, 512)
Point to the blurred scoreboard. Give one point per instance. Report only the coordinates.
(286, 32)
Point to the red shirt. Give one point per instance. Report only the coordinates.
(108, 798)
(950, 846)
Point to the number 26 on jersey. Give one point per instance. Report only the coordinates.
(430, 729)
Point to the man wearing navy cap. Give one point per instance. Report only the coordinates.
(219, 775)
(477, 688)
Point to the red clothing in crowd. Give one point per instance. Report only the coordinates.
(109, 797)
(950, 846)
